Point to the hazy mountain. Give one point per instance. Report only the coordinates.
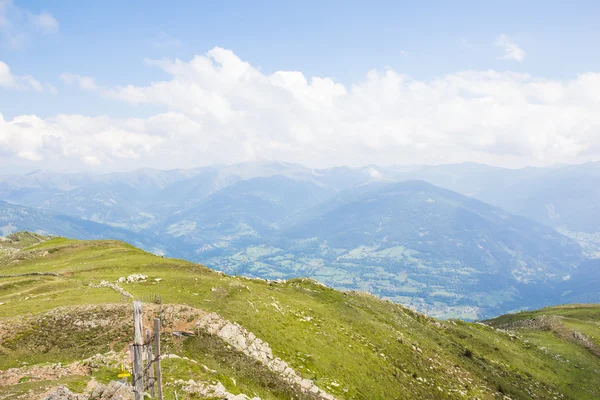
(15, 218)
(439, 222)
(417, 244)
(243, 214)
(372, 228)
(581, 286)
(138, 199)
(565, 197)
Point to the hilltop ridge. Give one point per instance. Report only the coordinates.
(69, 316)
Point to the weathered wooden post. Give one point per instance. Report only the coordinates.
(138, 354)
(157, 349)
(149, 360)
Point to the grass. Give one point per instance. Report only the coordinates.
(353, 345)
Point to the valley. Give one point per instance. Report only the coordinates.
(299, 200)
(462, 240)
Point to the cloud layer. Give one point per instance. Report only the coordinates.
(220, 109)
(84, 82)
(11, 81)
(18, 25)
(512, 51)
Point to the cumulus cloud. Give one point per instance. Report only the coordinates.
(11, 81)
(218, 108)
(75, 138)
(17, 24)
(84, 82)
(512, 51)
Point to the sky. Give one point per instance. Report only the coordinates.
(107, 86)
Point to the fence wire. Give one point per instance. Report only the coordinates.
(148, 364)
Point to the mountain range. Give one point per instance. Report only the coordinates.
(464, 240)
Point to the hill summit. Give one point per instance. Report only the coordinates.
(65, 319)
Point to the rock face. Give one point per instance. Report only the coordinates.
(211, 391)
(247, 343)
(113, 391)
(62, 393)
(96, 391)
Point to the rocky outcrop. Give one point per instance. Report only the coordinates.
(553, 323)
(247, 343)
(13, 376)
(113, 391)
(217, 391)
(96, 391)
(62, 393)
(133, 278)
(113, 286)
(107, 360)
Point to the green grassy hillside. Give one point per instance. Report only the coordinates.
(352, 345)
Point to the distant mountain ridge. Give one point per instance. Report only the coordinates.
(417, 244)
(564, 196)
(379, 229)
(14, 218)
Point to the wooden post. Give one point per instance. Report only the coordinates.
(149, 360)
(138, 354)
(157, 349)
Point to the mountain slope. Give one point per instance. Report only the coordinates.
(350, 345)
(446, 255)
(417, 244)
(445, 225)
(565, 197)
(244, 214)
(19, 218)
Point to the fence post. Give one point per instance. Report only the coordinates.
(157, 348)
(138, 342)
(149, 361)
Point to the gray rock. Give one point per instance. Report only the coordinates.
(62, 393)
(118, 391)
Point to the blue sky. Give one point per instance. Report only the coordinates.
(109, 41)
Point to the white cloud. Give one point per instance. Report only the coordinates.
(220, 109)
(18, 25)
(11, 81)
(76, 139)
(44, 22)
(84, 82)
(512, 51)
